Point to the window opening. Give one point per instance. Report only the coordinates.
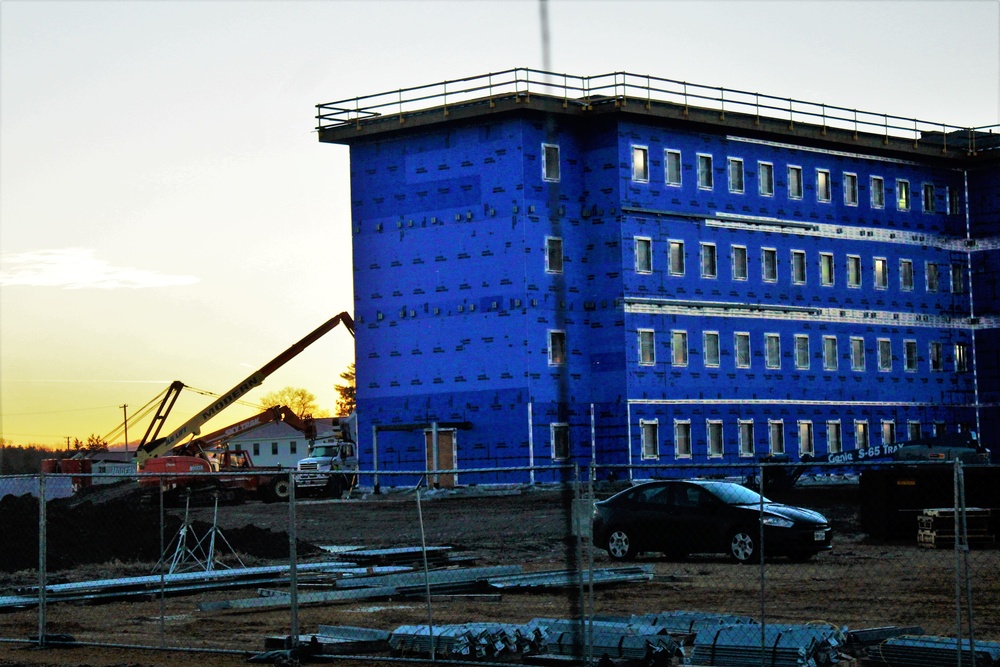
(765, 179)
(643, 255)
(640, 164)
(673, 167)
(736, 175)
(647, 347)
(851, 189)
(550, 162)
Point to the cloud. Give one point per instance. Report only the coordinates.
(77, 268)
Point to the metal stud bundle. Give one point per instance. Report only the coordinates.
(920, 651)
(783, 646)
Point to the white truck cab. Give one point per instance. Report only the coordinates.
(329, 470)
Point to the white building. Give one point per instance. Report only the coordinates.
(278, 444)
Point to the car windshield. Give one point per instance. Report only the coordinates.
(734, 494)
(325, 450)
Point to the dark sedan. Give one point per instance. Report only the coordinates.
(679, 517)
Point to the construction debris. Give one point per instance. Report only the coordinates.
(561, 579)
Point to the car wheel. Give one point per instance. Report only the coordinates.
(742, 546)
(620, 545)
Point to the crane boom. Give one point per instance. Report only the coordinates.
(193, 425)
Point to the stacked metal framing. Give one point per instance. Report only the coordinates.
(782, 646)
(919, 651)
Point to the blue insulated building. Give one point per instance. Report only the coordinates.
(624, 269)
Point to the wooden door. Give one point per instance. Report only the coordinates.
(446, 457)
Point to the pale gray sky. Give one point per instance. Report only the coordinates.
(167, 212)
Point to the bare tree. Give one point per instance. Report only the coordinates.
(299, 400)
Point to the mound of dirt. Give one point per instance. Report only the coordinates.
(111, 525)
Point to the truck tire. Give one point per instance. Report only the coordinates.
(277, 490)
(334, 487)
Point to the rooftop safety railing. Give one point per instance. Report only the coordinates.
(623, 88)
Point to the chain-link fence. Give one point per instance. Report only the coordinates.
(715, 565)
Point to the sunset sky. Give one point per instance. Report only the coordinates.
(166, 212)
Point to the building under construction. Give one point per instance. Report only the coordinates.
(554, 269)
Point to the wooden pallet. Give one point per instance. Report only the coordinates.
(938, 539)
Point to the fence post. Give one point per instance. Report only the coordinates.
(763, 582)
(42, 556)
(427, 576)
(293, 573)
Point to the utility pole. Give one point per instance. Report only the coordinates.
(125, 410)
(67, 442)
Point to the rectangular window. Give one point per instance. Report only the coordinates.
(957, 279)
(274, 449)
(850, 189)
(647, 347)
(772, 349)
(746, 437)
(550, 162)
(557, 348)
(677, 258)
(776, 433)
(806, 445)
(937, 357)
(857, 354)
(769, 264)
(878, 192)
(906, 275)
(802, 351)
(739, 262)
(927, 198)
(953, 201)
(709, 265)
(710, 343)
(765, 179)
(881, 273)
(834, 439)
(902, 195)
(553, 254)
(910, 355)
(823, 185)
(861, 434)
(798, 267)
(742, 350)
(794, 182)
(640, 164)
(559, 441)
(829, 353)
(704, 171)
(715, 446)
(913, 430)
(736, 175)
(853, 271)
(826, 269)
(961, 357)
(938, 428)
(256, 449)
(293, 447)
(888, 432)
(884, 354)
(679, 348)
(682, 438)
(672, 160)
(650, 438)
(643, 255)
(933, 277)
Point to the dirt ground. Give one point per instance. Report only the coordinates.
(860, 584)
